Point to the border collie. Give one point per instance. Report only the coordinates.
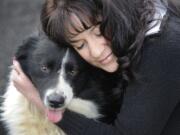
(64, 81)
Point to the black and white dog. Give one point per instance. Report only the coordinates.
(64, 81)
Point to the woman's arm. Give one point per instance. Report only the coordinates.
(149, 100)
(145, 111)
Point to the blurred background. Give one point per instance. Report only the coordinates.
(18, 19)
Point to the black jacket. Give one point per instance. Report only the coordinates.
(151, 103)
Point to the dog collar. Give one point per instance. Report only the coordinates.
(160, 11)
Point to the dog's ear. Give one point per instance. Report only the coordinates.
(23, 50)
(24, 53)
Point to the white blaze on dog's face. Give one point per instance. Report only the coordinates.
(62, 92)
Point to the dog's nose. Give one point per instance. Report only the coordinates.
(56, 100)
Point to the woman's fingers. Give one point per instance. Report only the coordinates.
(20, 80)
(24, 85)
(18, 69)
(15, 75)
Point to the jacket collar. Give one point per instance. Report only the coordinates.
(160, 11)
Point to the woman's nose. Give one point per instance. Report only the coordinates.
(96, 48)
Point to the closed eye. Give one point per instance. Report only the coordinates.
(79, 47)
(98, 34)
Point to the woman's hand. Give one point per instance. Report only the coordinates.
(25, 86)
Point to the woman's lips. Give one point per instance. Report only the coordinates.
(107, 59)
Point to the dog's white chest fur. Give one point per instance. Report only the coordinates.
(23, 118)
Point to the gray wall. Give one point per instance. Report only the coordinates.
(18, 19)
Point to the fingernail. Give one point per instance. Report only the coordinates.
(14, 62)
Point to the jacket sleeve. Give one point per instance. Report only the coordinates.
(148, 102)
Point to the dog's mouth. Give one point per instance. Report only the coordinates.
(54, 115)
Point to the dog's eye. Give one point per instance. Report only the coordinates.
(45, 69)
(72, 72)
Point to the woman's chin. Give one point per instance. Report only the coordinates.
(112, 67)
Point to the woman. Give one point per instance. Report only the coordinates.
(140, 40)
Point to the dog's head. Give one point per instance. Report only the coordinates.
(55, 71)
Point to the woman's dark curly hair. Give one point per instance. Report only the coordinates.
(123, 22)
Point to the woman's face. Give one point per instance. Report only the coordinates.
(94, 48)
